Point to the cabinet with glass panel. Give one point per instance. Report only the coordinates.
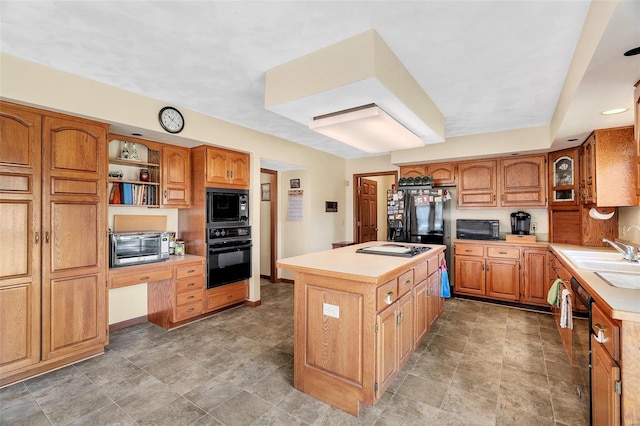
(563, 177)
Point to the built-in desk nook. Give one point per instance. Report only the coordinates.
(358, 317)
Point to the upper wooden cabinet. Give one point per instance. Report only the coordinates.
(608, 163)
(477, 184)
(564, 177)
(442, 174)
(226, 169)
(636, 97)
(523, 181)
(176, 176)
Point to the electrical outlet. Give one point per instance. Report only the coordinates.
(534, 227)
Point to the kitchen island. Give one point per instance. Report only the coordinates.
(358, 317)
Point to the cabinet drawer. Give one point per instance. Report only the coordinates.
(606, 331)
(189, 270)
(387, 294)
(189, 284)
(469, 250)
(503, 252)
(226, 295)
(420, 272)
(190, 297)
(405, 283)
(141, 277)
(184, 312)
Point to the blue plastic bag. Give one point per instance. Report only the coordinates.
(445, 289)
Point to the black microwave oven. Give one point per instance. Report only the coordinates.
(227, 207)
(477, 229)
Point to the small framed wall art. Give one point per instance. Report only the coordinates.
(294, 183)
(265, 191)
(331, 206)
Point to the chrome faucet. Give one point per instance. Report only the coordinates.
(628, 252)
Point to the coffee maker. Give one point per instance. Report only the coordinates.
(520, 223)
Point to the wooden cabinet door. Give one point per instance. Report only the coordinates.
(20, 203)
(636, 101)
(614, 171)
(469, 275)
(239, 169)
(588, 170)
(386, 347)
(73, 241)
(523, 181)
(405, 329)
(442, 174)
(176, 176)
(563, 177)
(604, 375)
(535, 277)
(503, 279)
(216, 167)
(477, 184)
(433, 297)
(417, 170)
(421, 327)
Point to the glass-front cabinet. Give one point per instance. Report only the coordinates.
(563, 179)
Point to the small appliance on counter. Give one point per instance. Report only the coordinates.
(520, 223)
(134, 248)
(478, 229)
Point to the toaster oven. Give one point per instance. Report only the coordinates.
(134, 248)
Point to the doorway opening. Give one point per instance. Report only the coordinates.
(268, 224)
(370, 205)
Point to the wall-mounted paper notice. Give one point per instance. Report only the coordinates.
(294, 205)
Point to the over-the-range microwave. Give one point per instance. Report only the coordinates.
(477, 229)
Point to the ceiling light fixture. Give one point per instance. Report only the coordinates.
(614, 111)
(367, 128)
(632, 52)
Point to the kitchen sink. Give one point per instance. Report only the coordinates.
(616, 279)
(602, 261)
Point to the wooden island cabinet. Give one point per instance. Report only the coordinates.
(358, 318)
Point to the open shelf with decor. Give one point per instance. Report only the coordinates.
(134, 173)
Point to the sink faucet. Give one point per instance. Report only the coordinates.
(627, 251)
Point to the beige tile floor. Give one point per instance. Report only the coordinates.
(482, 364)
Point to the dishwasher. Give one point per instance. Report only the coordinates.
(581, 338)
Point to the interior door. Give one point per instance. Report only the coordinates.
(368, 213)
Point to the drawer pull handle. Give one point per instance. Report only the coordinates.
(190, 297)
(468, 250)
(230, 296)
(600, 336)
(190, 310)
(502, 252)
(37, 237)
(143, 278)
(388, 297)
(407, 282)
(191, 271)
(191, 284)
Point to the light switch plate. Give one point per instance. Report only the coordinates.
(331, 310)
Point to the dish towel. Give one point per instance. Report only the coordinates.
(445, 288)
(553, 297)
(566, 319)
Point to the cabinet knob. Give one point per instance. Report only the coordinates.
(230, 296)
(407, 282)
(388, 297)
(46, 237)
(37, 238)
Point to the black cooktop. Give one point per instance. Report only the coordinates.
(394, 250)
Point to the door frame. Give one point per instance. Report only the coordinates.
(273, 223)
(356, 188)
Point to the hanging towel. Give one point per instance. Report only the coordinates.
(445, 288)
(553, 297)
(566, 318)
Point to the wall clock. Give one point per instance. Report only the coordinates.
(171, 120)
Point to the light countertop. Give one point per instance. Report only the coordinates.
(624, 303)
(345, 263)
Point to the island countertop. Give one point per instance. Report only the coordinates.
(345, 262)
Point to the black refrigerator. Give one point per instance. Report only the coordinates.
(419, 215)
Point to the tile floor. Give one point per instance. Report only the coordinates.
(482, 364)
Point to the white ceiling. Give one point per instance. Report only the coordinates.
(487, 65)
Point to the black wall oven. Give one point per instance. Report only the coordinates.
(229, 257)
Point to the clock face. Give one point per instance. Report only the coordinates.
(171, 120)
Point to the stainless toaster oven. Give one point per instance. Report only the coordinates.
(133, 248)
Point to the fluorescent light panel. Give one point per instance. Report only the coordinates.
(367, 128)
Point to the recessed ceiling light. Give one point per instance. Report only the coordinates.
(572, 140)
(136, 134)
(614, 111)
(515, 153)
(632, 52)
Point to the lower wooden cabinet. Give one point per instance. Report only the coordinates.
(387, 365)
(226, 295)
(502, 271)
